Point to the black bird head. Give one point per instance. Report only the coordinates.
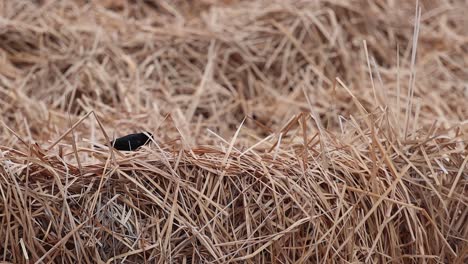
(132, 142)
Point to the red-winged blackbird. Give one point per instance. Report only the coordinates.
(132, 141)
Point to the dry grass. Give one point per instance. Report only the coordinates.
(285, 131)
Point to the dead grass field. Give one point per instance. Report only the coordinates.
(321, 131)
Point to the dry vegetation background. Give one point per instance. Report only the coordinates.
(285, 131)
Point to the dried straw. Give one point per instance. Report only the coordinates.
(285, 131)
